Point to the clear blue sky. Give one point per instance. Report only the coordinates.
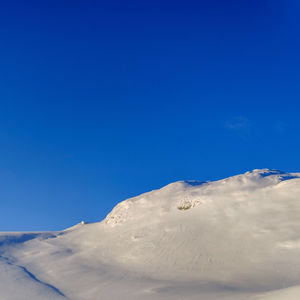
(104, 100)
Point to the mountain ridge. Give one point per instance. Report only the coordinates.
(237, 238)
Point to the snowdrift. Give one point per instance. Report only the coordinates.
(237, 238)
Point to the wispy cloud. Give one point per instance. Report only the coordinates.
(238, 124)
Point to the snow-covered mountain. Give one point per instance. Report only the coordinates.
(237, 238)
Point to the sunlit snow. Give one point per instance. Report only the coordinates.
(237, 238)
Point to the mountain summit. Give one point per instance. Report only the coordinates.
(184, 195)
(236, 238)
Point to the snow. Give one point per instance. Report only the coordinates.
(237, 238)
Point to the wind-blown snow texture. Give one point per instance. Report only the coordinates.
(237, 238)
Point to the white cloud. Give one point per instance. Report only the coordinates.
(238, 124)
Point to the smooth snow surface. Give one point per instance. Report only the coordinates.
(235, 239)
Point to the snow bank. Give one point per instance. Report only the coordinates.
(237, 238)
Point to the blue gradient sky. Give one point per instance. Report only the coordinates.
(103, 100)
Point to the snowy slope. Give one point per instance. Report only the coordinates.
(237, 238)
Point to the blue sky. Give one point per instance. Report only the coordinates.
(104, 100)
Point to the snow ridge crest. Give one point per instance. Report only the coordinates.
(184, 195)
